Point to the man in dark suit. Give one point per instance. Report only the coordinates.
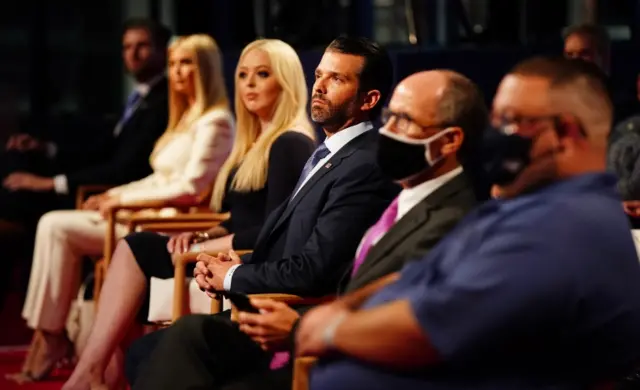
(433, 124)
(307, 243)
(443, 107)
(111, 158)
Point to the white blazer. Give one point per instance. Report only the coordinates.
(186, 166)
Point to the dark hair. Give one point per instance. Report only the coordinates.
(562, 71)
(597, 34)
(462, 104)
(377, 72)
(160, 34)
(585, 80)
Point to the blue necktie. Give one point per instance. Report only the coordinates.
(132, 100)
(320, 153)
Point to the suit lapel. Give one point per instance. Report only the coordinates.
(317, 177)
(269, 225)
(413, 220)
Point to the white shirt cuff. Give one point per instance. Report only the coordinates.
(60, 184)
(52, 149)
(226, 284)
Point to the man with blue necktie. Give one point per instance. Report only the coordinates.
(307, 244)
(429, 145)
(114, 157)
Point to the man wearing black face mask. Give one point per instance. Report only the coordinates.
(432, 127)
(539, 289)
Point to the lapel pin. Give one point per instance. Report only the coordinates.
(328, 165)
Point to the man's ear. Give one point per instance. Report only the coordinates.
(370, 99)
(454, 139)
(568, 126)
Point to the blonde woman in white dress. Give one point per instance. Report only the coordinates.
(185, 162)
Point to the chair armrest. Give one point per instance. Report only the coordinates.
(83, 192)
(171, 227)
(148, 204)
(179, 218)
(301, 368)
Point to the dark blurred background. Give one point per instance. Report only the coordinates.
(61, 59)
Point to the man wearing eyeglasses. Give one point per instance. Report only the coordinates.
(537, 289)
(432, 129)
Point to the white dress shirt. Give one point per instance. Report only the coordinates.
(334, 143)
(60, 184)
(410, 197)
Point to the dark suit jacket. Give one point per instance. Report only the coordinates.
(417, 232)
(413, 236)
(305, 246)
(122, 159)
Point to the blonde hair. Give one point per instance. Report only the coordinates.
(210, 89)
(251, 148)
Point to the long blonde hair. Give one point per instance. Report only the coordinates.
(210, 89)
(251, 148)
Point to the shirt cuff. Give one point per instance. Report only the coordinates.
(60, 184)
(226, 284)
(52, 149)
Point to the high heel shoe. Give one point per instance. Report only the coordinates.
(49, 349)
(25, 373)
(54, 348)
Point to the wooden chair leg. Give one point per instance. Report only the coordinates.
(180, 289)
(301, 369)
(98, 278)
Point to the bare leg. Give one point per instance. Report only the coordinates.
(123, 292)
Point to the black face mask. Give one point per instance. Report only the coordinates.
(400, 158)
(505, 156)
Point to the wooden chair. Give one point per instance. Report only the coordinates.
(191, 216)
(301, 365)
(82, 193)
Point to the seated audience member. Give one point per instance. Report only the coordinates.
(529, 291)
(590, 43)
(186, 160)
(307, 244)
(432, 129)
(113, 158)
(274, 139)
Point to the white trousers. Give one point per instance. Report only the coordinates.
(63, 238)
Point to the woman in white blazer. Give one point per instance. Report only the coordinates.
(185, 162)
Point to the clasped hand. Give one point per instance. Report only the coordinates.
(211, 270)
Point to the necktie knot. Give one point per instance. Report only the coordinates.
(321, 152)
